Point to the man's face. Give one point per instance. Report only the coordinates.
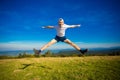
(61, 22)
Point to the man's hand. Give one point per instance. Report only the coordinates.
(78, 25)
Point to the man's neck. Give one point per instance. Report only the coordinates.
(61, 25)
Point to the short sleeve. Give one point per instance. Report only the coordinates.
(67, 26)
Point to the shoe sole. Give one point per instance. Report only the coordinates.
(85, 52)
(36, 52)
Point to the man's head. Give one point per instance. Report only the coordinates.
(60, 21)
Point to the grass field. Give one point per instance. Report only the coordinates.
(57, 68)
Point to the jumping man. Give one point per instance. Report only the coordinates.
(60, 36)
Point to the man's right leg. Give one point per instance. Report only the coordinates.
(37, 52)
(53, 41)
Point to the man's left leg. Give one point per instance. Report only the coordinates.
(72, 44)
(75, 46)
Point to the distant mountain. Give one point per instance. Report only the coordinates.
(65, 51)
(15, 53)
(92, 51)
(111, 48)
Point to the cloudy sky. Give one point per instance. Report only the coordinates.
(21, 22)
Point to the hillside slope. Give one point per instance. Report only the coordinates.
(68, 68)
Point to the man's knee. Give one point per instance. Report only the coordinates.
(70, 43)
(48, 45)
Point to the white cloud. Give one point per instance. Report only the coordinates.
(20, 45)
(29, 45)
(98, 45)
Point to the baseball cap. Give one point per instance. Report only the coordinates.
(61, 19)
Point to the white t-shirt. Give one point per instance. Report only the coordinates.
(61, 30)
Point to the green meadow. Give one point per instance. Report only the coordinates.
(61, 68)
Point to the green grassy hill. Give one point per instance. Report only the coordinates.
(57, 68)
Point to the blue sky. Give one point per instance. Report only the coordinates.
(21, 22)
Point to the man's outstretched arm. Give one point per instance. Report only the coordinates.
(74, 26)
(51, 27)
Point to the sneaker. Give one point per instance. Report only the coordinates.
(84, 51)
(37, 52)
